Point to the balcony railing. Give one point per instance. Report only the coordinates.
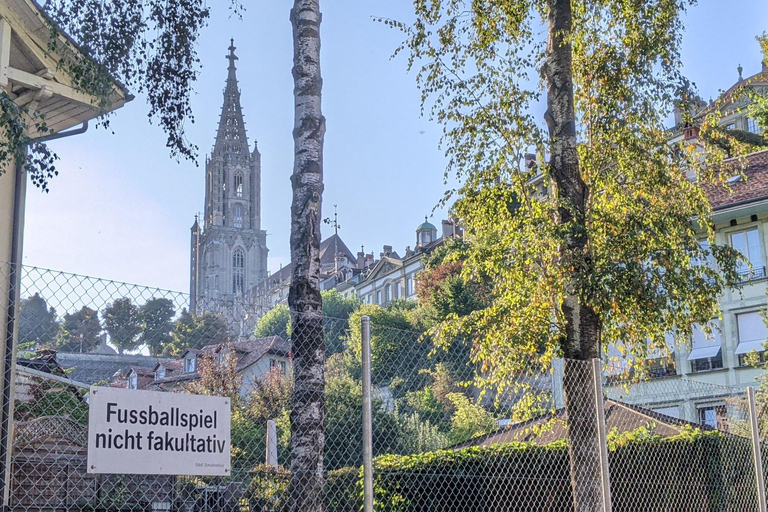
(747, 274)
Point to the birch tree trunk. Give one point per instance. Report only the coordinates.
(308, 411)
(582, 333)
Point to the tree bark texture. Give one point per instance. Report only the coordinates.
(581, 340)
(308, 411)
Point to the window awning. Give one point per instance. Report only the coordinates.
(746, 347)
(704, 352)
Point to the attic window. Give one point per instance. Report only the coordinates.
(190, 363)
(734, 179)
(160, 373)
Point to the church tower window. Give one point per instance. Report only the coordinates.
(238, 271)
(239, 185)
(238, 216)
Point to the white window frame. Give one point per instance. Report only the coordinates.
(757, 261)
(190, 364)
(133, 380)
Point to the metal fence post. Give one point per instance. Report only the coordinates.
(597, 377)
(365, 328)
(758, 459)
(271, 443)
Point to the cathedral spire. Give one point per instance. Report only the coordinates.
(231, 139)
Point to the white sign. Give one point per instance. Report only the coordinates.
(133, 431)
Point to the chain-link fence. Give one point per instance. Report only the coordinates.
(441, 437)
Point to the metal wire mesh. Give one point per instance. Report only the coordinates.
(440, 439)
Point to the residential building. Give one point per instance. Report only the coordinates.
(696, 379)
(229, 251)
(393, 277)
(254, 359)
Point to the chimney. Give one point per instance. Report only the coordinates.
(387, 250)
(765, 66)
(530, 162)
(449, 228)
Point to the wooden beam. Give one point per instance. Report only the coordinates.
(5, 51)
(38, 82)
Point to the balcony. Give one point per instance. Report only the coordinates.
(752, 274)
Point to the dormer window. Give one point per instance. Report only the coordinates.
(133, 380)
(190, 363)
(160, 373)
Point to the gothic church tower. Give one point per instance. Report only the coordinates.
(229, 251)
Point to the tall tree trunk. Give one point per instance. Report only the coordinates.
(308, 411)
(582, 334)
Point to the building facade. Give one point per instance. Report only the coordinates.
(228, 246)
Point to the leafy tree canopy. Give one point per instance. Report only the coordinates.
(612, 237)
(197, 331)
(275, 322)
(121, 321)
(156, 325)
(80, 331)
(38, 323)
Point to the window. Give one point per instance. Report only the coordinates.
(378, 297)
(388, 293)
(281, 366)
(706, 351)
(238, 216)
(370, 298)
(238, 271)
(160, 373)
(673, 411)
(426, 237)
(239, 185)
(133, 380)
(190, 363)
(397, 290)
(715, 416)
(409, 286)
(752, 126)
(660, 360)
(752, 335)
(730, 126)
(747, 242)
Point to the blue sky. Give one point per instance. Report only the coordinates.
(121, 209)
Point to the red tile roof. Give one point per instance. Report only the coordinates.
(753, 188)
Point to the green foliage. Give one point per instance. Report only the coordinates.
(269, 489)
(121, 320)
(336, 312)
(50, 398)
(758, 109)
(275, 322)
(343, 403)
(270, 396)
(197, 331)
(613, 235)
(37, 323)
(701, 471)
(16, 144)
(80, 331)
(469, 419)
(155, 317)
(533, 404)
(398, 350)
(419, 435)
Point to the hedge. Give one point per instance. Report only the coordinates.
(691, 472)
